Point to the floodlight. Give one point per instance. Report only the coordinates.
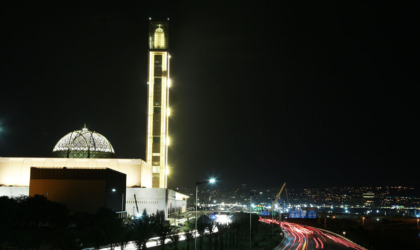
(212, 180)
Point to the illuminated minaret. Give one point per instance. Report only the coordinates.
(158, 103)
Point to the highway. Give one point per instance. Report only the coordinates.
(307, 238)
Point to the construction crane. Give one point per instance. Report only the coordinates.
(138, 213)
(277, 197)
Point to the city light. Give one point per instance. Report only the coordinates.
(212, 180)
(167, 141)
(169, 112)
(169, 82)
(113, 190)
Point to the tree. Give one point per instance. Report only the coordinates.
(189, 236)
(68, 239)
(110, 225)
(29, 222)
(164, 232)
(222, 229)
(175, 240)
(124, 237)
(144, 227)
(210, 227)
(201, 227)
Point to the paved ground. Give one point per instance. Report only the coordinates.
(300, 237)
(308, 238)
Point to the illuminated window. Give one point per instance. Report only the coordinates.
(158, 65)
(159, 38)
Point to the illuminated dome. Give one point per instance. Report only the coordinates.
(83, 144)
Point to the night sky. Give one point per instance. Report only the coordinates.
(315, 94)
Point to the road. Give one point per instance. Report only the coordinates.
(307, 238)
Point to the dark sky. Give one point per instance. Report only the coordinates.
(314, 94)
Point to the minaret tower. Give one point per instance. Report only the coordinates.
(158, 103)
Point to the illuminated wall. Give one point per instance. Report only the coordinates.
(16, 171)
(158, 103)
(153, 199)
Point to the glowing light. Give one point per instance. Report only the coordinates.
(222, 219)
(167, 141)
(159, 38)
(113, 190)
(168, 112)
(212, 180)
(169, 83)
(167, 170)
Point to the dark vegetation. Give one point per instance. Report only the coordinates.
(235, 236)
(37, 223)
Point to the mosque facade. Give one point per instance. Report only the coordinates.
(146, 181)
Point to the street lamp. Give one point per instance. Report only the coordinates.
(363, 221)
(212, 180)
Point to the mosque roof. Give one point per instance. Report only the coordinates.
(83, 144)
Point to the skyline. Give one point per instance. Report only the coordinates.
(307, 94)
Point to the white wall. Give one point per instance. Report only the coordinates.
(14, 191)
(153, 199)
(16, 171)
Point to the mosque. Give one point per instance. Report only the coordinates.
(146, 181)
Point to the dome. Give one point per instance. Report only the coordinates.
(83, 144)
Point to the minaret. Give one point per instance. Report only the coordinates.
(158, 103)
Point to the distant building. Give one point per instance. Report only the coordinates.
(369, 195)
(368, 198)
(81, 190)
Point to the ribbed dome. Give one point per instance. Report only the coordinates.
(83, 144)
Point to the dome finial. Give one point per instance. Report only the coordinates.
(84, 129)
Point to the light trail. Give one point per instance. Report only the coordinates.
(316, 242)
(299, 238)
